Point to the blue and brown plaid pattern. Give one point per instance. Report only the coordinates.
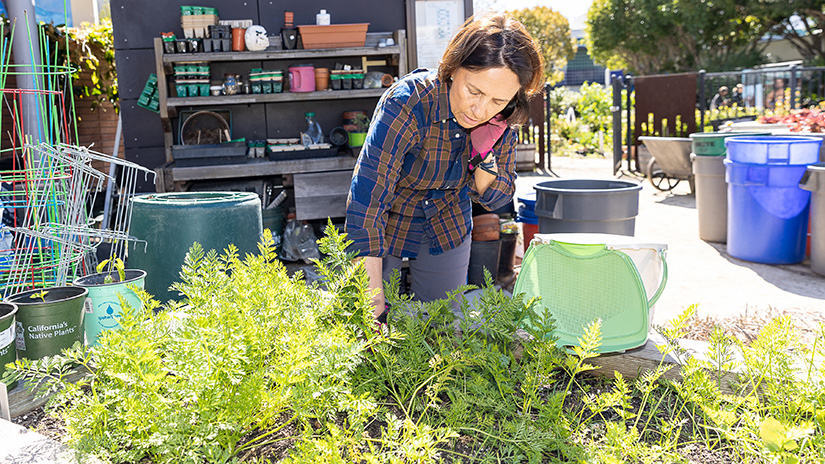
(412, 179)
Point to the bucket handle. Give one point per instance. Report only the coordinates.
(803, 183)
(757, 176)
(661, 288)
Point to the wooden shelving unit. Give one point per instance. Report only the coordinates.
(274, 97)
(176, 178)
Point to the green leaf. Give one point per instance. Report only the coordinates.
(772, 433)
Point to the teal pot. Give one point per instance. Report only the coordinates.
(105, 306)
(7, 335)
(49, 324)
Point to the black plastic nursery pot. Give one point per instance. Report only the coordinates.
(7, 335)
(48, 321)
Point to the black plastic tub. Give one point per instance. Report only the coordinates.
(587, 205)
(209, 155)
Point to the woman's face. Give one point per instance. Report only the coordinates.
(477, 96)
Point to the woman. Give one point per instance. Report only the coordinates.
(436, 142)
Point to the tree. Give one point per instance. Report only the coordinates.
(801, 22)
(552, 33)
(650, 36)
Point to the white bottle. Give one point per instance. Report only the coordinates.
(322, 18)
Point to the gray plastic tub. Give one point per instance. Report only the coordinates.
(587, 205)
(711, 197)
(814, 180)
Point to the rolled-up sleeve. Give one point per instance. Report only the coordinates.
(393, 132)
(500, 192)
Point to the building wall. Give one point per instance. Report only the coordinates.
(581, 69)
(780, 50)
(84, 11)
(136, 24)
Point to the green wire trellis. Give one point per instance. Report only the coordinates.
(48, 194)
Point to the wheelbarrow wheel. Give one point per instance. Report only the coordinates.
(658, 178)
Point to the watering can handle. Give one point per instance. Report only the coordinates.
(661, 288)
(297, 77)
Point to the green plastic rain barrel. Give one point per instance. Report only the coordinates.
(169, 223)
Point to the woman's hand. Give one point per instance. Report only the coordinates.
(484, 136)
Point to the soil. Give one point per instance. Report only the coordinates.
(43, 423)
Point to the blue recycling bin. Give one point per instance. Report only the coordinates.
(767, 210)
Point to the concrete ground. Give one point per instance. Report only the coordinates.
(702, 272)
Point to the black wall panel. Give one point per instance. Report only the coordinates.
(141, 127)
(137, 23)
(383, 16)
(140, 64)
(149, 157)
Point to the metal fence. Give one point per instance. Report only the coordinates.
(750, 93)
(753, 92)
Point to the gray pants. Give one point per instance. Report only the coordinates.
(434, 275)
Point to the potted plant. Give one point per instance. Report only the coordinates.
(7, 336)
(359, 135)
(48, 320)
(105, 290)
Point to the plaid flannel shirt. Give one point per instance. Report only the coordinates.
(412, 179)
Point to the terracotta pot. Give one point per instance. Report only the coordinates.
(321, 79)
(486, 227)
(238, 41)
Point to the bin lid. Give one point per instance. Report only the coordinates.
(529, 199)
(610, 241)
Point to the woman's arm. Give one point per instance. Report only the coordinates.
(494, 191)
(482, 177)
(392, 134)
(374, 267)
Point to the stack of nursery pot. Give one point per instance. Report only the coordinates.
(7, 331)
(105, 290)
(48, 320)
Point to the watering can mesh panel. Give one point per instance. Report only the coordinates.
(581, 284)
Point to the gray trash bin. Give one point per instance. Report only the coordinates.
(711, 197)
(814, 180)
(587, 205)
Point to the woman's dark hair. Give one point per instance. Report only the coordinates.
(495, 41)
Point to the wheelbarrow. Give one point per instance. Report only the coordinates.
(669, 163)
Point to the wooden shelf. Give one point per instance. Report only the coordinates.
(274, 97)
(280, 54)
(259, 168)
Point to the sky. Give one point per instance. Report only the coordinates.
(574, 11)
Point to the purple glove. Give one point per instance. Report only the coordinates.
(484, 137)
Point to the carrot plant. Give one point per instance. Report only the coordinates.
(255, 365)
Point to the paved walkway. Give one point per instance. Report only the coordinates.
(701, 272)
